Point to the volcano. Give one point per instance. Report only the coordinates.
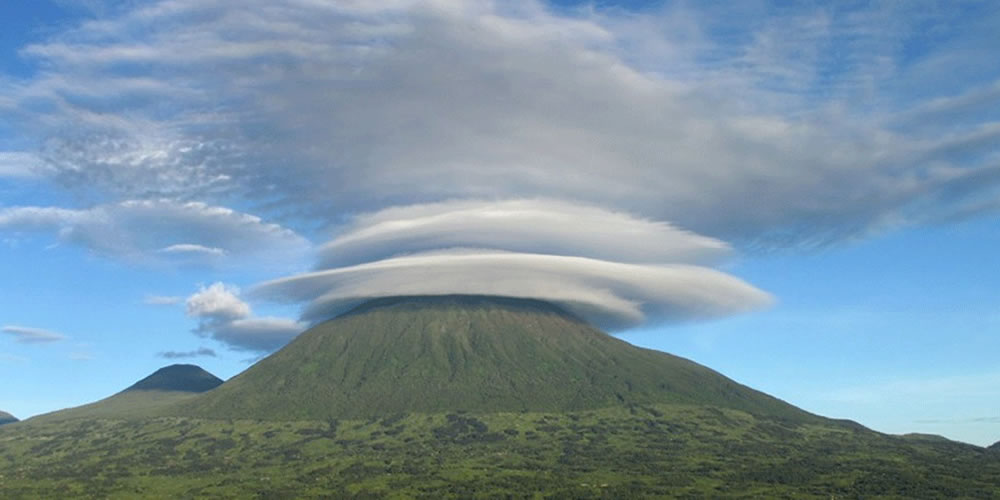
(471, 353)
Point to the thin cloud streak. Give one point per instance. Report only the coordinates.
(200, 352)
(29, 335)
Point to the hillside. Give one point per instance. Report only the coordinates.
(481, 354)
(7, 418)
(161, 389)
(658, 451)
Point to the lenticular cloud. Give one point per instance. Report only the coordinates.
(614, 270)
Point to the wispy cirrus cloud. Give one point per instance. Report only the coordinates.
(147, 230)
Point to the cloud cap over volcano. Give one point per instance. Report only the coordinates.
(534, 226)
(614, 270)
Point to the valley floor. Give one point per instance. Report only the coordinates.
(649, 451)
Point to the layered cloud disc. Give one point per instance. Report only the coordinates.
(614, 270)
(534, 226)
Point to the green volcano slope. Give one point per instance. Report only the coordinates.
(7, 418)
(461, 353)
(161, 389)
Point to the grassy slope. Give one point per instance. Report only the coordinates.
(625, 452)
(7, 418)
(466, 353)
(148, 397)
(124, 405)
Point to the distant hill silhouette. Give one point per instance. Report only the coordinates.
(428, 354)
(164, 387)
(7, 418)
(180, 377)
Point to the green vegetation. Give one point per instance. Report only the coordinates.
(623, 452)
(126, 405)
(434, 354)
(7, 418)
(469, 397)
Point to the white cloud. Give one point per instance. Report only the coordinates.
(225, 317)
(217, 301)
(150, 229)
(28, 335)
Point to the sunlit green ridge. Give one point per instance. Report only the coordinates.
(431, 354)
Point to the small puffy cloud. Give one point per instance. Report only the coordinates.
(149, 229)
(219, 302)
(536, 226)
(224, 316)
(200, 352)
(28, 335)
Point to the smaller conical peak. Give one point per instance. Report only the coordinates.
(180, 377)
(6, 418)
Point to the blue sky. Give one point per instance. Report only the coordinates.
(803, 197)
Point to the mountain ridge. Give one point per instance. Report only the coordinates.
(471, 353)
(7, 418)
